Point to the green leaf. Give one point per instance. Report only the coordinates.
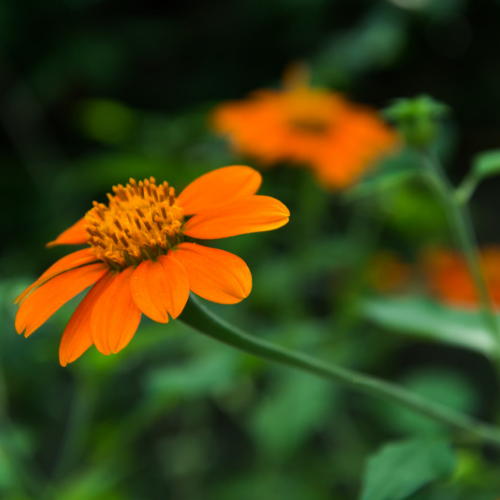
(400, 469)
(100, 481)
(445, 386)
(486, 164)
(423, 318)
(204, 375)
(296, 407)
(106, 121)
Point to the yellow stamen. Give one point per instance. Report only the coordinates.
(142, 220)
(309, 126)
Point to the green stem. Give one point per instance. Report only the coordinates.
(465, 190)
(76, 429)
(460, 221)
(199, 318)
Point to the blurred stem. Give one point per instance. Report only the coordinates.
(312, 201)
(466, 189)
(364, 233)
(3, 395)
(200, 319)
(363, 227)
(460, 221)
(76, 428)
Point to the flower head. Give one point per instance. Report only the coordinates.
(448, 278)
(319, 128)
(141, 259)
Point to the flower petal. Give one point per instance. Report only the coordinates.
(214, 274)
(250, 214)
(178, 284)
(41, 304)
(149, 287)
(75, 259)
(74, 235)
(219, 187)
(115, 316)
(160, 287)
(77, 336)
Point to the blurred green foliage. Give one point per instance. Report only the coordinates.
(97, 91)
(424, 460)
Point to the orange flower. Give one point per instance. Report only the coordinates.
(140, 259)
(313, 126)
(448, 278)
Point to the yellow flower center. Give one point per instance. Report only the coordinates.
(309, 126)
(142, 220)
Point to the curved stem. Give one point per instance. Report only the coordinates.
(459, 218)
(75, 430)
(466, 189)
(198, 317)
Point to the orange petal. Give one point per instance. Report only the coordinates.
(74, 235)
(77, 336)
(250, 214)
(178, 280)
(75, 259)
(214, 274)
(149, 287)
(41, 304)
(219, 187)
(160, 287)
(115, 317)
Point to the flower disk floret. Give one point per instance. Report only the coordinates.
(141, 221)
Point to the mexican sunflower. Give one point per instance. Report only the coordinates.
(339, 140)
(447, 276)
(141, 258)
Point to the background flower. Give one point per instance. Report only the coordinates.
(308, 126)
(448, 278)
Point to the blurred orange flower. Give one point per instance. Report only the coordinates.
(139, 259)
(311, 126)
(447, 276)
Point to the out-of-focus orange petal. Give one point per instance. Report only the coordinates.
(77, 336)
(178, 284)
(75, 259)
(41, 304)
(115, 316)
(150, 288)
(74, 235)
(214, 274)
(250, 214)
(219, 187)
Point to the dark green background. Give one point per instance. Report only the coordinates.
(93, 92)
